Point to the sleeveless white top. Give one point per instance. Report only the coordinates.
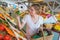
(32, 26)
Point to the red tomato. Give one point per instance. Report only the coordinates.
(1, 36)
(7, 37)
(2, 27)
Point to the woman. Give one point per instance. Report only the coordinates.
(32, 20)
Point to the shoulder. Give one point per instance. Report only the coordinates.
(26, 16)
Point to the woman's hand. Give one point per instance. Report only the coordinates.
(17, 16)
(20, 25)
(18, 21)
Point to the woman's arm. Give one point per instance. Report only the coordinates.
(21, 25)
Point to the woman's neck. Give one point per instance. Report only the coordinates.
(35, 16)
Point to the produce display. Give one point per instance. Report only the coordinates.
(4, 35)
(45, 16)
(57, 27)
(58, 16)
(9, 29)
(1, 16)
(6, 31)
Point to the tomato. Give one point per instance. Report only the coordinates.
(1, 36)
(2, 27)
(7, 37)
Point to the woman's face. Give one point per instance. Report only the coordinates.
(32, 11)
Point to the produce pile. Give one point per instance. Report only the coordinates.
(50, 23)
(57, 25)
(8, 29)
(58, 16)
(4, 35)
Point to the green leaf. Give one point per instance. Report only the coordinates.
(0, 21)
(18, 12)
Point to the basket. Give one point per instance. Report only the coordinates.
(48, 26)
(45, 38)
(49, 37)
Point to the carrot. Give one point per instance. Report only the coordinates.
(8, 16)
(1, 16)
(22, 34)
(8, 30)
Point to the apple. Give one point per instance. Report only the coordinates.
(7, 37)
(1, 36)
(2, 27)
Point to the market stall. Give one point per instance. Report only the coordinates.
(9, 29)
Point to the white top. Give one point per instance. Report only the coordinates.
(33, 26)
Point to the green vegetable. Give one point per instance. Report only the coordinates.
(0, 21)
(45, 33)
(36, 36)
(50, 12)
(18, 12)
(3, 21)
